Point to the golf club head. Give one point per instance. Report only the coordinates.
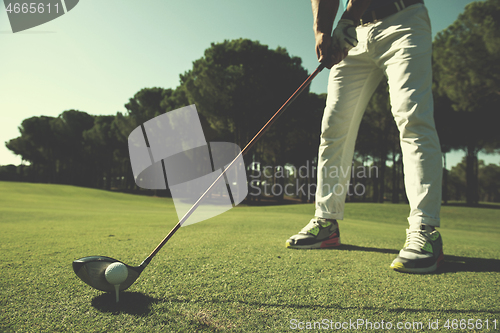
(91, 271)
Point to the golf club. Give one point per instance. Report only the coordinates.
(91, 270)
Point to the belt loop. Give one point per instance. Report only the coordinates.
(402, 4)
(397, 7)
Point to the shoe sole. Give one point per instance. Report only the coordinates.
(329, 243)
(398, 266)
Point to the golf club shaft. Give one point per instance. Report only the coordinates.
(249, 145)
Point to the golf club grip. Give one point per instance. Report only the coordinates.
(249, 145)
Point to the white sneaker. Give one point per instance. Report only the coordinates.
(319, 233)
(422, 252)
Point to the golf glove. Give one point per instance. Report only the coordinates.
(344, 36)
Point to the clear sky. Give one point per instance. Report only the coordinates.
(98, 55)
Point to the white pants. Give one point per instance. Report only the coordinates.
(398, 47)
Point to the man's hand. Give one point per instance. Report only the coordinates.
(324, 12)
(325, 52)
(332, 50)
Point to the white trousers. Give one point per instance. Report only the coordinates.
(398, 47)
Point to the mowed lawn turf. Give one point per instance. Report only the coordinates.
(233, 272)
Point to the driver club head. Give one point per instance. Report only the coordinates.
(91, 270)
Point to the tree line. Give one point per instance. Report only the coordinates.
(238, 85)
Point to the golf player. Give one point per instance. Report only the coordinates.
(373, 39)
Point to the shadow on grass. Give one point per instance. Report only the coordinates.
(479, 205)
(133, 303)
(452, 264)
(363, 248)
(332, 306)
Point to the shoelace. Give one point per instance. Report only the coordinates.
(415, 240)
(312, 224)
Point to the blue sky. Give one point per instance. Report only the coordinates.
(98, 55)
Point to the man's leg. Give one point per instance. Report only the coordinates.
(351, 84)
(407, 63)
(409, 72)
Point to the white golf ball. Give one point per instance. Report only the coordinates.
(116, 273)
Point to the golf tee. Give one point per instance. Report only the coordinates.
(117, 292)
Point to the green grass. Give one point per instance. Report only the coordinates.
(232, 272)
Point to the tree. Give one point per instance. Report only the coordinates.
(11, 172)
(239, 84)
(467, 71)
(55, 147)
(446, 125)
(456, 182)
(147, 104)
(489, 181)
(101, 142)
(36, 144)
(174, 99)
(122, 126)
(72, 160)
